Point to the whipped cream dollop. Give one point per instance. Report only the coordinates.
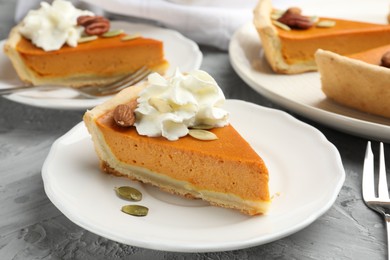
(51, 26)
(168, 107)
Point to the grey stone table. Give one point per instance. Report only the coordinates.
(31, 227)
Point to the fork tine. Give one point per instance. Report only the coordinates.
(137, 77)
(130, 78)
(113, 84)
(382, 203)
(383, 190)
(368, 188)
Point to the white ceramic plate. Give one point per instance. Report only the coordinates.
(306, 175)
(181, 53)
(302, 93)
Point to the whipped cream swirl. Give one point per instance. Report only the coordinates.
(51, 26)
(168, 107)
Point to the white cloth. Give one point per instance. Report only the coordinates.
(210, 22)
(211, 25)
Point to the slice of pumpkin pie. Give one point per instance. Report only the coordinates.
(156, 134)
(61, 45)
(290, 38)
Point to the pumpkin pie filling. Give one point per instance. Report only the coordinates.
(203, 165)
(104, 57)
(344, 38)
(372, 56)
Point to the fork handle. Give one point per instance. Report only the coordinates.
(387, 220)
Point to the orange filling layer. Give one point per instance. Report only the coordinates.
(102, 57)
(344, 38)
(372, 56)
(226, 165)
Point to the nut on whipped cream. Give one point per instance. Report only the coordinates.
(51, 26)
(169, 107)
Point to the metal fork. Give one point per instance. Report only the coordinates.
(380, 203)
(91, 91)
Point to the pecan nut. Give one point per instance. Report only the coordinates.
(124, 114)
(94, 25)
(385, 60)
(293, 19)
(84, 20)
(294, 10)
(97, 28)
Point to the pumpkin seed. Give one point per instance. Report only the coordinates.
(204, 127)
(326, 23)
(87, 39)
(203, 135)
(130, 37)
(276, 16)
(314, 19)
(129, 193)
(281, 25)
(135, 210)
(112, 33)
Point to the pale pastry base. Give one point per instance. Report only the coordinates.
(354, 83)
(183, 188)
(271, 43)
(110, 164)
(31, 77)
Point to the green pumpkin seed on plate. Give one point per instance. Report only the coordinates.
(135, 210)
(128, 193)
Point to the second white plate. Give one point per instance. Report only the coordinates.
(302, 93)
(306, 175)
(180, 52)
